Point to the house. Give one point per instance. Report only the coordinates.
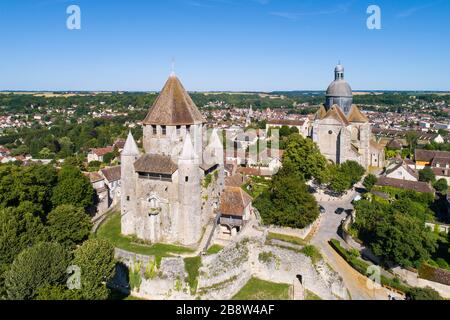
(102, 197)
(442, 173)
(394, 144)
(112, 178)
(405, 184)
(236, 180)
(302, 125)
(431, 158)
(234, 211)
(98, 154)
(399, 169)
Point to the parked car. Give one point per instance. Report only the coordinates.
(339, 211)
(322, 209)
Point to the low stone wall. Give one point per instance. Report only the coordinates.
(299, 233)
(223, 275)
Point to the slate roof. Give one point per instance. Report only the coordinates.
(174, 107)
(154, 163)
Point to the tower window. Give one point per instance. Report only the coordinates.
(188, 129)
(330, 132)
(164, 130)
(186, 179)
(178, 129)
(128, 198)
(155, 130)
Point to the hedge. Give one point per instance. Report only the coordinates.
(362, 267)
(434, 274)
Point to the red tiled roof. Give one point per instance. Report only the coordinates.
(102, 151)
(233, 202)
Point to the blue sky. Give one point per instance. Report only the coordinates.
(254, 45)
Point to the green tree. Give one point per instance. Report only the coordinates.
(423, 294)
(441, 186)
(73, 188)
(427, 175)
(288, 203)
(412, 139)
(57, 293)
(69, 225)
(340, 182)
(107, 158)
(403, 239)
(369, 182)
(35, 267)
(303, 157)
(96, 260)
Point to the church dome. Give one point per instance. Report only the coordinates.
(339, 92)
(339, 88)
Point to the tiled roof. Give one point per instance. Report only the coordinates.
(356, 115)
(112, 174)
(152, 163)
(429, 155)
(174, 107)
(236, 180)
(102, 151)
(336, 113)
(233, 202)
(286, 122)
(405, 184)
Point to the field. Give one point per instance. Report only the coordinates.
(257, 289)
(110, 230)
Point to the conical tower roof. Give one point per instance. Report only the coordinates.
(174, 106)
(130, 148)
(188, 152)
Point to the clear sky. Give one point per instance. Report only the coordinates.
(253, 45)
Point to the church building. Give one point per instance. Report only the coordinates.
(341, 131)
(171, 190)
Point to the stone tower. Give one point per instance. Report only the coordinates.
(164, 197)
(189, 193)
(172, 116)
(128, 157)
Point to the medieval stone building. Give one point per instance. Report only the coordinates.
(341, 131)
(171, 190)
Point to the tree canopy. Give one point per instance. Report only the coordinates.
(288, 203)
(40, 265)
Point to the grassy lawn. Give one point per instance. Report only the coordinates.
(110, 230)
(257, 289)
(311, 296)
(259, 185)
(286, 238)
(192, 267)
(214, 249)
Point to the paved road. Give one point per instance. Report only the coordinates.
(328, 229)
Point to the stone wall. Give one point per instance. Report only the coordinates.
(299, 233)
(224, 274)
